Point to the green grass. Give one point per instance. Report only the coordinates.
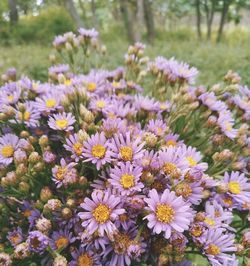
(213, 60)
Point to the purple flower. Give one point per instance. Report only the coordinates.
(126, 148)
(74, 146)
(61, 239)
(167, 213)
(48, 102)
(88, 33)
(101, 212)
(84, 257)
(64, 174)
(126, 178)
(158, 127)
(9, 143)
(216, 245)
(37, 242)
(63, 121)
(15, 237)
(96, 150)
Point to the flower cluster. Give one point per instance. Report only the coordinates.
(92, 172)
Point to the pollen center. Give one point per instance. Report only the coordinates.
(183, 189)
(61, 242)
(50, 103)
(127, 181)
(61, 123)
(77, 147)
(67, 82)
(100, 104)
(101, 213)
(213, 249)
(60, 173)
(7, 151)
(209, 221)
(126, 153)
(191, 161)
(91, 86)
(98, 151)
(24, 116)
(164, 213)
(234, 187)
(85, 260)
(169, 168)
(171, 142)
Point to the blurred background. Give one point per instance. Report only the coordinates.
(212, 35)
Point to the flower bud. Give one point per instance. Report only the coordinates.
(21, 251)
(45, 194)
(53, 205)
(66, 213)
(39, 166)
(24, 187)
(20, 156)
(222, 188)
(43, 141)
(21, 170)
(60, 261)
(150, 139)
(24, 134)
(43, 225)
(34, 157)
(83, 180)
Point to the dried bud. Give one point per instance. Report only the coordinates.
(38, 166)
(21, 170)
(43, 225)
(150, 139)
(200, 216)
(43, 141)
(83, 180)
(45, 194)
(71, 203)
(34, 157)
(24, 186)
(53, 205)
(24, 134)
(222, 188)
(21, 251)
(60, 261)
(66, 213)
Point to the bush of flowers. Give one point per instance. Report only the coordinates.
(94, 172)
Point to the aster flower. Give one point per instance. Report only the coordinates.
(15, 237)
(88, 33)
(37, 242)
(74, 146)
(101, 212)
(226, 122)
(158, 127)
(63, 121)
(82, 257)
(5, 259)
(167, 212)
(111, 126)
(58, 69)
(10, 94)
(48, 102)
(126, 178)
(238, 187)
(61, 239)
(64, 174)
(96, 150)
(9, 143)
(172, 140)
(98, 104)
(217, 245)
(126, 148)
(119, 109)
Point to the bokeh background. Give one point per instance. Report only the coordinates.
(212, 35)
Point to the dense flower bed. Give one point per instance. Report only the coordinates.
(93, 172)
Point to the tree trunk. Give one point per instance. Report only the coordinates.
(73, 12)
(128, 20)
(94, 18)
(139, 19)
(226, 4)
(13, 12)
(210, 20)
(149, 19)
(198, 19)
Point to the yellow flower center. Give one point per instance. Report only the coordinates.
(127, 181)
(196, 231)
(98, 151)
(24, 116)
(7, 151)
(234, 187)
(61, 242)
(10, 98)
(67, 82)
(171, 142)
(27, 213)
(50, 103)
(163, 106)
(101, 213)
(34, 85)
(116, 84)
(91, 86)
(77, 147)
(15, 239)
(164, 213)
(209, 221)
(100, 104)
(159, 130)
(228, 127)
(126, 153)
(85, 260)
(213, 250)
(61, 123)
(183, 189)
(169, 168)
(228, 201)
(60, 173)
(191, 161)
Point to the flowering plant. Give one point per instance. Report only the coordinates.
(93, 172)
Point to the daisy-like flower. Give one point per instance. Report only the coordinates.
(15, 237)
(30, 117)
(167, 213)
(172, 140)
(216, 246)
(126, 178)
(88, 33)
(226, 122)
(98, 104)
(61, 239)
(74, 146)
(101, 212)
(10, 94)
(158, 127)
(85, 257)
(126, 148)
(238, 187)
(96, 150)
(8, 145)
(58, 69)
(63, 121)
(111, 126)
(64, 174)
(37, 241)
(48, 102)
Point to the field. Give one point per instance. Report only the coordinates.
(212, 59)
